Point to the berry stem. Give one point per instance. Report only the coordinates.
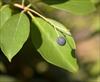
(23, 1)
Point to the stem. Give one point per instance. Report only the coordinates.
(41, 16)
(34, 18)
(19, 6)
(30, 14)
(55, 27)
(23, 2)
(33, 11)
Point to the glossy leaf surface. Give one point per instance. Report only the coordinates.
(44, 39)
(14, 34)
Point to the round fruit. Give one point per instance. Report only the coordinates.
(61, 41)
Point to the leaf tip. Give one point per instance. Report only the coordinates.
(9, 59)
(75, 69)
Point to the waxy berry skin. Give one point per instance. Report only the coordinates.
(61, 41)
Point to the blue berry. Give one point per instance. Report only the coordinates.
(61, 41)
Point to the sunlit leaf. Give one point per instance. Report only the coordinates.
(44, 39)
(14, 34)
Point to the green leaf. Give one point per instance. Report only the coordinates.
(78, 7)
(14, 34)
(5, 14)
(44, 39)
(61, 27)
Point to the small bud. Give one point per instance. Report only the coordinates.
(61, 41)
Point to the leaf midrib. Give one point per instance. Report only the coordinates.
(55, 46)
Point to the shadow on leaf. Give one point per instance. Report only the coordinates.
(36, 36)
